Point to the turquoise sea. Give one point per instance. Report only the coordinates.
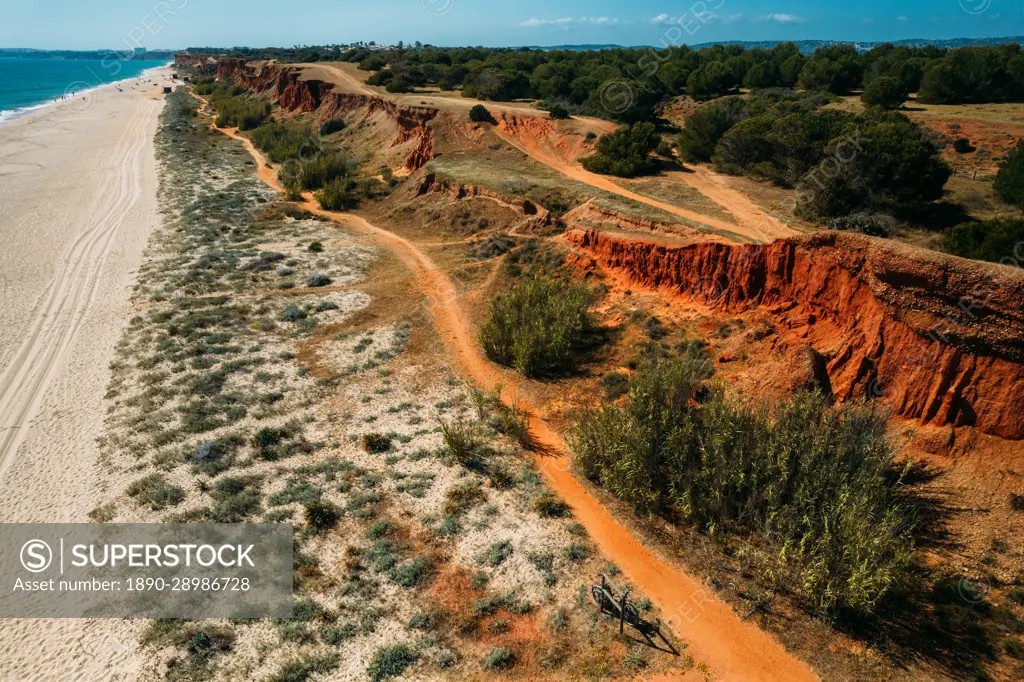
(26, 84)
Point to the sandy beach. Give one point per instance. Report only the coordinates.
(78, 186)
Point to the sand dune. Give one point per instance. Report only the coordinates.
(78, 186)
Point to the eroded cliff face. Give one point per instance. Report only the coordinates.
(940, 339)
(200, 61)
(536, 217)
(293, 93)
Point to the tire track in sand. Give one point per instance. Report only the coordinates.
(66, 302)
(733, 649)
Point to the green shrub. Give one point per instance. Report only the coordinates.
(340, 194)
(706, 126)
(496, 553)
(615, 384)
(234, 108)
(479, 114)
(281, 142)
(461, 497)
(390, 661)
(321, 515)
(1009, 182)
(156, 492)
(316, 173)
(710, 80)
(558, 112)
(500, 658)
(576, 552)
(962, 145)
(550, 507)
(461, 441)
(895, 166)
(814, 480)
(302, 669)
(295, 490)
(410, 573)
(514, 422)
(379, 529)
(236, 498)
(537, 326)
(996, 240)
(885, 92)
(317, 280)
(872, 224)
(626, 152)
(376, 443)
(332, 126)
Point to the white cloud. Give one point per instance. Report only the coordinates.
(565, 21)
(783, 18)
(705, 17)
(901, 18)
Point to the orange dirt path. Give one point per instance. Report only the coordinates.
(733, 649)
(715, 186)
(752, 222)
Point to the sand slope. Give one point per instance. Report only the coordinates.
(78, 186)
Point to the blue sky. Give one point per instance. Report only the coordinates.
(72, 24)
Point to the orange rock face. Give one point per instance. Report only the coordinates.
(938, 338)
(292, 93)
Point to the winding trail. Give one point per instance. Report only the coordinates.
(751, 221)
(733, 649)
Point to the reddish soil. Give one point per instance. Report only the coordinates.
(539, 139)
(529, 130)
(936, 337)
(991, 142)
(732, 648)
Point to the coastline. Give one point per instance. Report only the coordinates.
(8, 115)
(79, 191)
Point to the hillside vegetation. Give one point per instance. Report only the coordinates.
(811, 481)
(577, 80)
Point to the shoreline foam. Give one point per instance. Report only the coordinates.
(7, 115)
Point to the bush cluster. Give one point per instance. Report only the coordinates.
(999, 240)
(577, 79)
(316, 172)
(1009, 182)
(814, 482)
(536, 326)
(479, 114)
(234, 108)
(842, 162)
(331, 126)
(340, 194)
(281, 142)
(626, 152)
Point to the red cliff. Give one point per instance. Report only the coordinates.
(291, 92)
(938, 338)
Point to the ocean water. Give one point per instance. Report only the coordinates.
(27, 84)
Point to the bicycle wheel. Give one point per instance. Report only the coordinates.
(600, 597)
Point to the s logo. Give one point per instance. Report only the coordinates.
(36, 556)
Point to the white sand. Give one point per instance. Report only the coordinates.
(78, 188)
